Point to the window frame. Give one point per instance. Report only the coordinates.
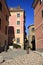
(17, 31)
(18, 14)
(18, 40)
(18, 22)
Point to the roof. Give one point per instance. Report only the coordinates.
(16, 9)
(35, 3)
(31, 25)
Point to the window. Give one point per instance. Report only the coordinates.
(0, 23)
(6, 30)
(42, 13)
(0, 6)
(32, 29)
(18, 22)
(18, 31)
(18, 15)
(18, 40)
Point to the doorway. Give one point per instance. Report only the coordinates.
(33, 43)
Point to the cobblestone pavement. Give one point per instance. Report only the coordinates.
(32, 58)
(12, 53)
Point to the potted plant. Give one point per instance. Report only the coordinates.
(28, 49)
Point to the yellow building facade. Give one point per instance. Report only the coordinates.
(31, 34)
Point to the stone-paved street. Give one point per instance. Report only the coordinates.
(12, 53)
(19, 57)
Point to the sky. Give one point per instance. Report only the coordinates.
(27, 6)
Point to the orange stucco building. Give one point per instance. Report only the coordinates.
(38, 20)
(4, 15)
(17, 22)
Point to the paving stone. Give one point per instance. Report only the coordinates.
(1, 59)
(27, 59)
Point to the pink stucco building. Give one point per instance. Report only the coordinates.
(16, 21)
